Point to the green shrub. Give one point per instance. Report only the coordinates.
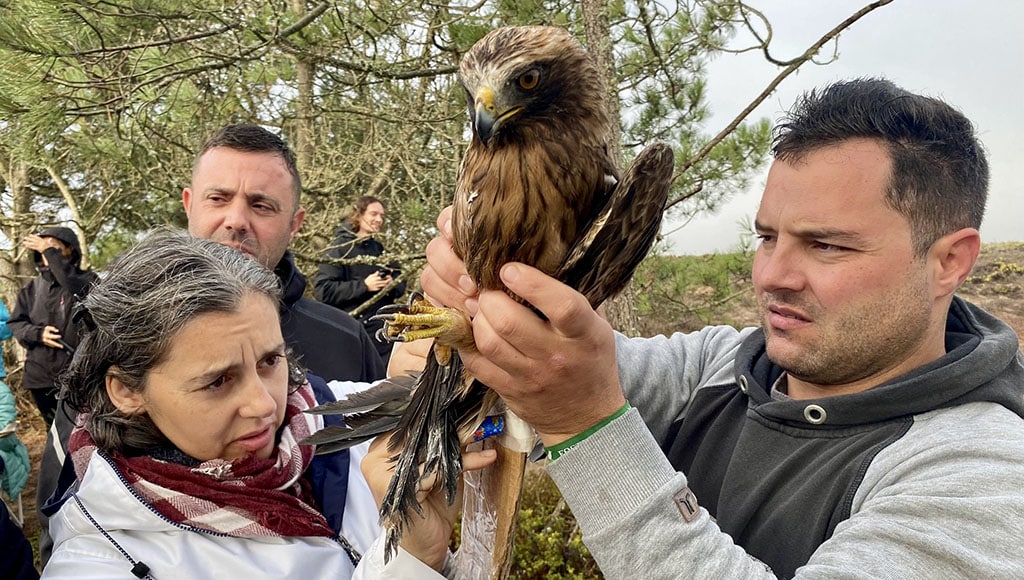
(683, 293)
(548, 542)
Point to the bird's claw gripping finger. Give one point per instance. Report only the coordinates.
(413, 321)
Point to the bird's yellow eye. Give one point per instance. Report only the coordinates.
(529, 79)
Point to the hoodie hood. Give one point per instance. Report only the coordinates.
(293, 283)
(345, 232)
(983, 363)
(65, 235)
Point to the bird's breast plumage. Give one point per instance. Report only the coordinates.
(525, 201)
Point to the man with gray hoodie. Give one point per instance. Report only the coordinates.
(872, 427)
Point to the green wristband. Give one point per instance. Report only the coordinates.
(556, 451)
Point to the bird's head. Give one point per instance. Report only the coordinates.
(523, 76)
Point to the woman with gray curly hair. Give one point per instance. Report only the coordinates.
(188, 446)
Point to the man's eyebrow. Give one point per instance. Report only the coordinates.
(219, 189)
(830, 234)
(277, 349)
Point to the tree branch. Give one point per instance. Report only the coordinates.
(142, 45)
(76, 214)
(305, 20)
(791, 67)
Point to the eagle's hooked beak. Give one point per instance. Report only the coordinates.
(488, 117)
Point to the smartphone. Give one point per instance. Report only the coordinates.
(67, 347)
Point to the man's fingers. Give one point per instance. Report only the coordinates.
(445, 278)
(438, 291)
(501, 340)
(444, 222)
(509, 331)
(443, 259)
(486, 371)
(566, 308)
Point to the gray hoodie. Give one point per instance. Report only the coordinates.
(710, 477)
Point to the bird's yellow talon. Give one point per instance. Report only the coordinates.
(413, 321)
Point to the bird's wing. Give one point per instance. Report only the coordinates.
(601, 262)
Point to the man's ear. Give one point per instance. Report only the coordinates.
(953, 257)
(186, 201)
(126, 400)
(297, 219)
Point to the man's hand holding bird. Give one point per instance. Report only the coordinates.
(544, 370)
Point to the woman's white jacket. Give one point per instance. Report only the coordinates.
(125, 527)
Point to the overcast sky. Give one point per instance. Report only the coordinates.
(970, 54)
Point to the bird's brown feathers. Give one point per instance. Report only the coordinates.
(520, 194)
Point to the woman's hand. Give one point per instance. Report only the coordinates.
(374, 282)
(409, 357)
(51, 337)
(425, 537)
(39, 243)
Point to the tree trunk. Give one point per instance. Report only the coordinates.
(599, 44)
(19, 265)
(620, 310)
(76, 214)
(15, 271)
(304, 110)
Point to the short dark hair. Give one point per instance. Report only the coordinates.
(149, 294)
(359, 208)
(254, 139)
(939, 178)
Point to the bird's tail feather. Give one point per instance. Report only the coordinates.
(427, 434)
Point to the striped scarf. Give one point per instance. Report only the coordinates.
(247, 497)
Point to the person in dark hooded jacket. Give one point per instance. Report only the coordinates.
(42, 318)
(349, 285)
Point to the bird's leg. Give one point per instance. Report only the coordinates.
(421, 319)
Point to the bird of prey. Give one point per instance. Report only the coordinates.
(537, 185)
